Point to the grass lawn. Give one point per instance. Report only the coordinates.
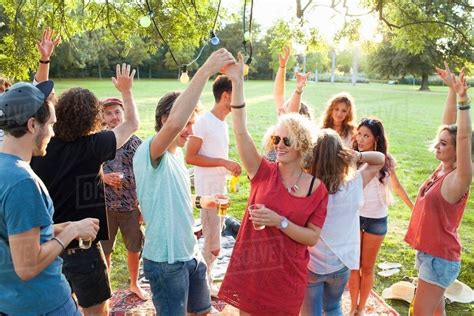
(410, 117)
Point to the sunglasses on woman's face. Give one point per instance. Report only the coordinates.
(276, 140)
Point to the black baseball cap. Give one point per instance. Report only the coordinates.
(21, 101)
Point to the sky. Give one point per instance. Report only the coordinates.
(326, 20)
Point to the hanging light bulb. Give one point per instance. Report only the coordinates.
(214, 39)
(246, 69)
(247, 66)
(247, 36)
(145, 21)
(184, 78)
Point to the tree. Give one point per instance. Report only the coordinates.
(390, 61)
(181, 25)
(427, 30)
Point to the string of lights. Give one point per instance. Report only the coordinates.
(248, 36)
(149, 19)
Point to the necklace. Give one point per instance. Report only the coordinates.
(295, 187)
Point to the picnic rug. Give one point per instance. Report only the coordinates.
(125, 303)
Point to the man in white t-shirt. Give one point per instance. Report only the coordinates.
(208, 151)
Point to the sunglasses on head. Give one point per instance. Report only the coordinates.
(276, 140)
(368, 121)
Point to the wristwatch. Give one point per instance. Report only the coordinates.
(283, 223)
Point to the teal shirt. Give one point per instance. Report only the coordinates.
(164, 194)
(25, 204)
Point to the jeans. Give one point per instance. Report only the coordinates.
(436, 270)
(324, 292)
(178, 287)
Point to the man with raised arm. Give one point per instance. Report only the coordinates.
(72, 173)
(171, 259)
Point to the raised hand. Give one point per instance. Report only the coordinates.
(460, 85)
(217, 61)
(302, 79)
(283, 57)
(235, 70)
(446, 75)
(123, 79)
(47, 44)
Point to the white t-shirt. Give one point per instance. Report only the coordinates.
(215, 144)
(347, 141)
(378, 196)
(339, 243)
(1, 137)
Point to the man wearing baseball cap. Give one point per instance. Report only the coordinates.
(31, 281)
(121, 197)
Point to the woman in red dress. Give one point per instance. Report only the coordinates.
(267, 271)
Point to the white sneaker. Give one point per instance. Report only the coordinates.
(214, 290)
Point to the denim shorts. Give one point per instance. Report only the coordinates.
(436, 270)
(374, 226)
(86, 272)
(178, 287)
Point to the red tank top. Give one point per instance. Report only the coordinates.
(267, 273)
(434, 221)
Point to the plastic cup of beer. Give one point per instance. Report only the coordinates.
(85, 243)
(120, 175)
(223, 206)
(252, 208)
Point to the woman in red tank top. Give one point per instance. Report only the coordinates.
(267, 272)
(441, 201)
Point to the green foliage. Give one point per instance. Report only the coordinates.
(350, 31)
(86, 26)
(416, 22)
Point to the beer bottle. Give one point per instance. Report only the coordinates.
(411, 309)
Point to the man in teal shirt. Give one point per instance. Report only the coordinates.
(172, 262)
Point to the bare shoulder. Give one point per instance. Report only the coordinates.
(307, 179)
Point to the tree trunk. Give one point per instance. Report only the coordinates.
(355, 64)
(424, 83)
(149, 71)
(100, 72)
(138, 73)
(333, 65)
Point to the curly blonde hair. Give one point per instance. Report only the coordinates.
(302, 133)
(4, 84)
(78, 114)
(348, 123)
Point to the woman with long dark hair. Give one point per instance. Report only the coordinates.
(373, 215)
(338, 250)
